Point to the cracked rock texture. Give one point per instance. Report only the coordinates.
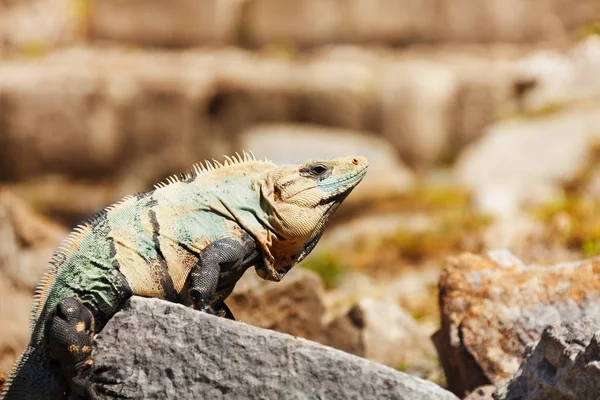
(564, 365)
(161, 350)
(494, 307)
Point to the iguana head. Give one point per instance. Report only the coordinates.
(299, 200)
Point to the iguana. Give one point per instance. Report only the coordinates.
(188, 240)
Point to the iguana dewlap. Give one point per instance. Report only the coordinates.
(188, 241)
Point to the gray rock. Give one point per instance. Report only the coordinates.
(161, 350)
(564, 365)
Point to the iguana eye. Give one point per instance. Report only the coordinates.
(318, 169)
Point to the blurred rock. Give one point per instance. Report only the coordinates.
(493, 307)
(166, 23)
(417, 100)
(377, 329)
(163, 109)
(482, 92)
(550, 79)
(14, 313)
(235, 358)
(381, 331)
(339, 93)
(409, 21)
(70, 201)
(365, 233)
(375, 245)
(388, 21)
(528, 238)
(482, 393)
(88, 114)
(513, 233)
(578, 15)
(284, 144)
(591, 185)
(432, 106)
(525, 162)
(35, 27)
(52, 118)
(565, 364)
(294, 305)
(268, 21)
(27, 242)
(497, 20)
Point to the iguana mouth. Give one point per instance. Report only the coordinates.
(338, 198)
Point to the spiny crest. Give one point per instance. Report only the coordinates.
(65, 249)
(200, 169)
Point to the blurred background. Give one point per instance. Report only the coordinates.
(480, 119)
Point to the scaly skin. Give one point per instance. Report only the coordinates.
(186, 241)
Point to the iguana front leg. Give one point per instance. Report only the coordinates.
(225, 259)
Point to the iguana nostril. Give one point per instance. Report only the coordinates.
(354, 161)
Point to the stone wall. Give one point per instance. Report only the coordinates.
(36, 25)
(89, 112)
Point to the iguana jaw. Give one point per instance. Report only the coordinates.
(300, 200)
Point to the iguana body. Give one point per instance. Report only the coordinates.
(187, 241)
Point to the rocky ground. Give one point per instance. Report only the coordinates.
(198, 350)
(477, 225)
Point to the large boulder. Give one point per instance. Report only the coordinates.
(161, 350)
(565, 365)
(494, 306)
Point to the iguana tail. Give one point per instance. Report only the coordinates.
(35, 376)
